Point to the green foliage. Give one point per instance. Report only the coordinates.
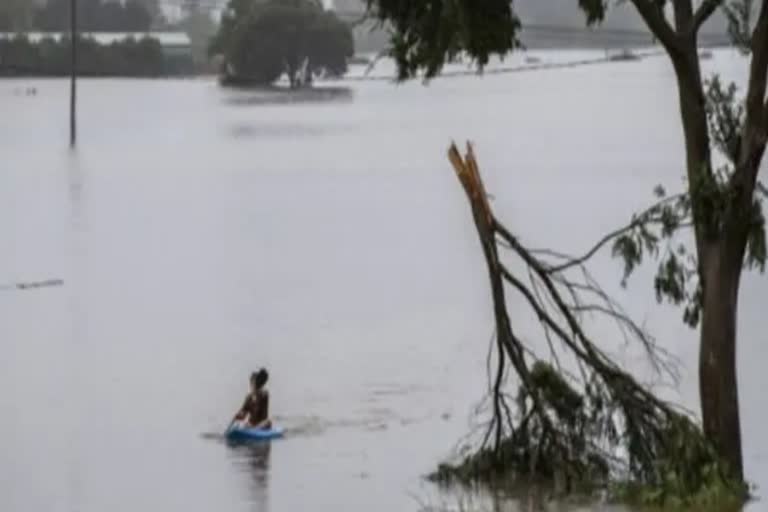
(738, 14)
(670, 464)
(655, 231)
(261, 41)
(551, 443)
(756, 244)
(725, 117)
(131, 57)
(687, 476)
(594, 10)
(235, 12)
(429, 33)
(564, 400)
(426, 34)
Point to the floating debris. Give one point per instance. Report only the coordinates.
(32, 285)
(623, 55)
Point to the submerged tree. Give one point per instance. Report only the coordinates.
(262, 40)
(721, 204)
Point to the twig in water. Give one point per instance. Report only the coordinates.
(32, 285)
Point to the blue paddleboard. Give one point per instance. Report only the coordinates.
(254, 434)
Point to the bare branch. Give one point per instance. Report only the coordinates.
(703, 13)
(638, 220)
(31, 285)
(744, 178)
(654, 17)
(543, 316)
(756, 124)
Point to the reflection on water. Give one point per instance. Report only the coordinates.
(253, 131)
(522, 499)
(283, 96)
(253, 461)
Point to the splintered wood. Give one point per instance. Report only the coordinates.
(468, 173)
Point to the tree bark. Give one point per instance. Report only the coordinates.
(720, 254)
(718, 382)
(693, 114)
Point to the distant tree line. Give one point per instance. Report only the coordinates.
(131, 57)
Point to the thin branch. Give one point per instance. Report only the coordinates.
(31, 285)
(543, 316)
(544, 252)
(638, 220)
(497, 399)
(599, 245)
(703, 13)
(588, 350)
(547, 336)
(756, 123)
(759, 68)
(654, 17)
(664, 364)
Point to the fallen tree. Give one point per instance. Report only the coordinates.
(593, 428)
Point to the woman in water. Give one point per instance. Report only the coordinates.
(255, 410)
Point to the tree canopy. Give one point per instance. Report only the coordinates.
(260, 41)
(428, 33)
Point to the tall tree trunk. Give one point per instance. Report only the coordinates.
(698, 155)
(720, 244)
(718, 383)
(720, 256)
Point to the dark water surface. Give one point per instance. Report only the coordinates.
(201, 233)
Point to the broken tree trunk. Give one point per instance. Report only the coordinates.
(590, 426)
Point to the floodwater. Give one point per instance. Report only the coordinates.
(202, 233)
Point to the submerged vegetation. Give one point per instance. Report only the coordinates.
(595, 429)
(263, 40)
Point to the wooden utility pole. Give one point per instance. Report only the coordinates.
(73, 73)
